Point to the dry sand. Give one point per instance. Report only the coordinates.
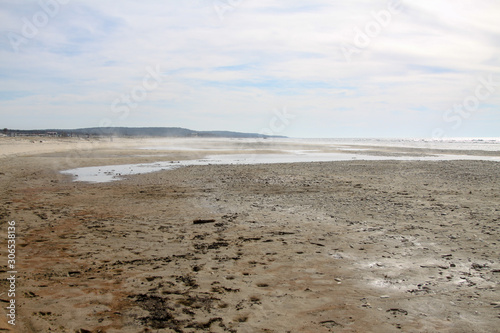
(356, 246)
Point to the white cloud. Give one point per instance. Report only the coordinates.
(261, 55)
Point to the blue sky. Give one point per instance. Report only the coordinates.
(361, 68)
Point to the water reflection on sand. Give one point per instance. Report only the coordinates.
(107, 173)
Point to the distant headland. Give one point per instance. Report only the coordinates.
(156, 132)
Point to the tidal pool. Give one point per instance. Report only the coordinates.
(108, 173)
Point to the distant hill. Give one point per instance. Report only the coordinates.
(137, 132)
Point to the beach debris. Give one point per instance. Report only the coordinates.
(74, 273)
(159, 309)
(478, 267)
(330, 323)
(395, 311)
(203, 221)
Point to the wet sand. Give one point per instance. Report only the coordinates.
(354, 246)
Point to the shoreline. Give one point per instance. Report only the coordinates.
(20, 146)
(384, 246)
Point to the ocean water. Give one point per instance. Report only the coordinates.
(293, 151)
(486, 144)
(220, 144)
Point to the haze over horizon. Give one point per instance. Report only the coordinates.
(314, 70)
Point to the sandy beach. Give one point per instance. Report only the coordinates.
(346, 246)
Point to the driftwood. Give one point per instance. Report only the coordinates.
(201, 221)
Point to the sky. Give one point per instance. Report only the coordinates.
(311, 69)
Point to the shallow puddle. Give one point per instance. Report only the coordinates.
(108, 173)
